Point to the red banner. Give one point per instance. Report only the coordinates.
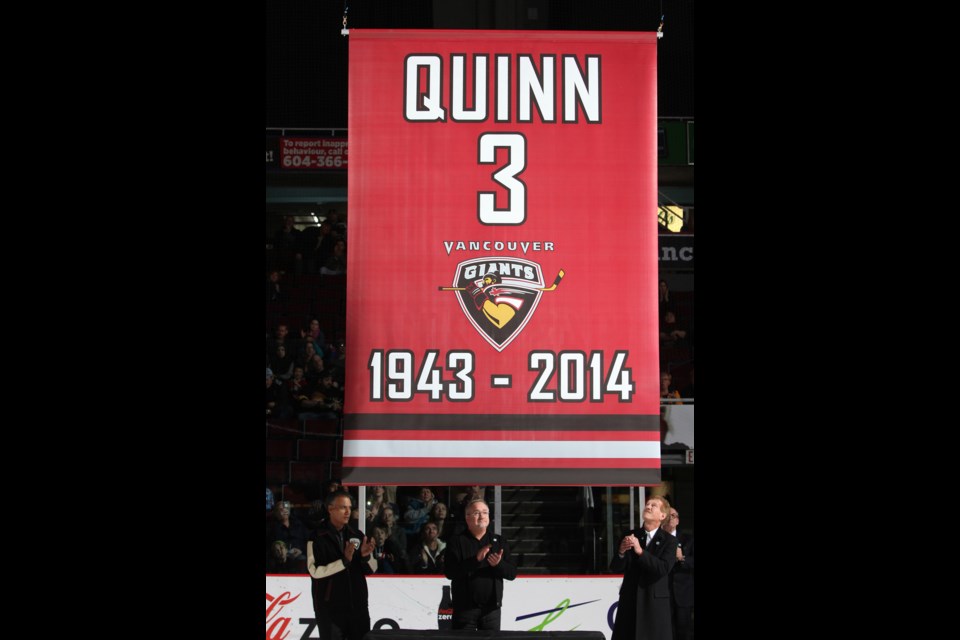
(502, 271)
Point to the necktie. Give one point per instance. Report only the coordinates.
(643, 540)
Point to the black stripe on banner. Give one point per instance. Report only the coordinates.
(498, 422)
(513, 477)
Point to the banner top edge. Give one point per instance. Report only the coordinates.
(503, 34)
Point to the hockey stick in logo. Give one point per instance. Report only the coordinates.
(556, 281)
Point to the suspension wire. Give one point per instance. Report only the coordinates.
(346, 9)
(659, 29)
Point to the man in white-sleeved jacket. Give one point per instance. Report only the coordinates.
(338, 560)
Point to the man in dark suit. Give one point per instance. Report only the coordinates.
(645, 557)
(681, 580)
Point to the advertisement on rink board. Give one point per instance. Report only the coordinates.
(530, 603)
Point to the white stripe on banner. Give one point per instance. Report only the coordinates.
(499, 448)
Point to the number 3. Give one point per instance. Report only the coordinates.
(516, 211)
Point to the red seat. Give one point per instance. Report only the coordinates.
(321, 427)
(279, 450)
(307, 471)
(316, 450)
(285, 429)
(276, 472)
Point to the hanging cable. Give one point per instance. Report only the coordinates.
(659, 29)
(346, 9)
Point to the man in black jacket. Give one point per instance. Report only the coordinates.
(477, 562)
(645, 557)
(338, 560)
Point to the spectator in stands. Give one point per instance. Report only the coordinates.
(666, 380)
(325, 351)
(306, 354)
(307, 402)
(389, 558)
(664, 298)
(339, 558)
(297, 384)
(309, 239)
(388, 520)
(325, 401)
(274, 296)
(469, 494)
(477, 562)
(282, 364)
(380, 497)
(439, 515)
(428, 554)
(324, 248)
(645, 557)
(336, 264)
(338, 222)
(314, 331)
(418, 511)
(314, 335)
(281, 561)
(287, 528)
(286, 242)
(310, 407)
(269, 499)
(671, 332)
(333, 394)
(681, 580)
(277, 403)
(281, 337)
(337, 360)
(313, 371)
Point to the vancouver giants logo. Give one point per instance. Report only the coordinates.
(499, 295)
